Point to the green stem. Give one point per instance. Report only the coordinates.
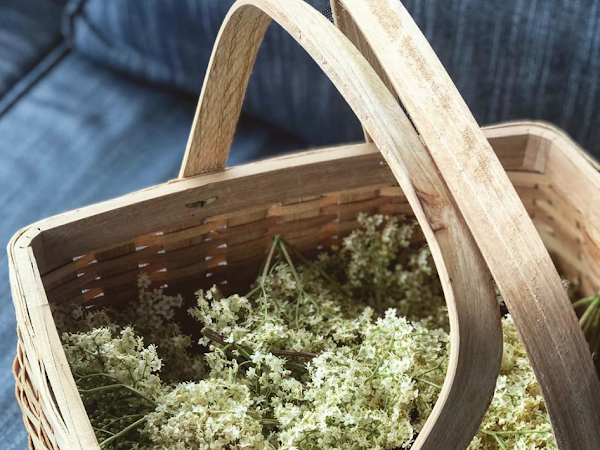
(265, 273)
(102, 430)
(134, 425)
(521, 432)
(270, 422)
(587, 318)
(94, 375)
(499, 441)
(130, 416)
(382, 359)
(302, 292)
(316, 268)
(584, 301)
(439, 366)
(421, 380)
(118, 386)
(291, 264)
(497, 435)
(301, 289)
(252, 292)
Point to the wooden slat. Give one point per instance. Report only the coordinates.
(512, 248)
(110, 239)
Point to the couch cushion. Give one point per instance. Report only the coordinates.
(29, 29)
(79, 136)
(169, 42)
(516, 59)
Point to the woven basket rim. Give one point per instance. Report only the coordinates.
(29, 296)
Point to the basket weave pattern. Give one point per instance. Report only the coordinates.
(226, 249)
(214, 224)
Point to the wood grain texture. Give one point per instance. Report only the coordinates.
(58, 407)
(474, 315)
(94, 255)
(497, 218)
(310, 198)
(347, 26)
(445, 419)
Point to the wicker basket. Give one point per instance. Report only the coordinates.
(213, 226)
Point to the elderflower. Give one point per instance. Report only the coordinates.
(377, 265)
(117, 377)
(369, 396)
(517, 417)
(152, 316)
(348, 351)
(206, 415)
(123, 358)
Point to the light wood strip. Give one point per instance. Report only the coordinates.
(497, 218)
(28, 383)
(465, 279)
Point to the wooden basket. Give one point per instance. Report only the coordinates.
(213, 224)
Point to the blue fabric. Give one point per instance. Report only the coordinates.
(81, 135)
(28, 30)
(73, 132)
(517, 59)
(522, 59)
(170, 43)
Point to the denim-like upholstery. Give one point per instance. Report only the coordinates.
(63, 147)
(516, 59)
(170, 43)
(28, 30)
(79, 126)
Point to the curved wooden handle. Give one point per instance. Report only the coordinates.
(476, 339)
(500, 225)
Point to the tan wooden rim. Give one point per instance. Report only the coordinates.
(505, 234)
(474, 314)
(445, 172)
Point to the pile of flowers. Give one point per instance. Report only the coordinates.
(348, 351)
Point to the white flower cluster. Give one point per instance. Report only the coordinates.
(346, 352)
(517, 418)
(152, 317)
(384, 265)
(124, 359)
(206, 415)
(117, 378)
(375, 395)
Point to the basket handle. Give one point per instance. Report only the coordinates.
(496, 216)
(475, 322)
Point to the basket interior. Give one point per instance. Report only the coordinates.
(225, 249)
(226, 245)
(216, 229)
